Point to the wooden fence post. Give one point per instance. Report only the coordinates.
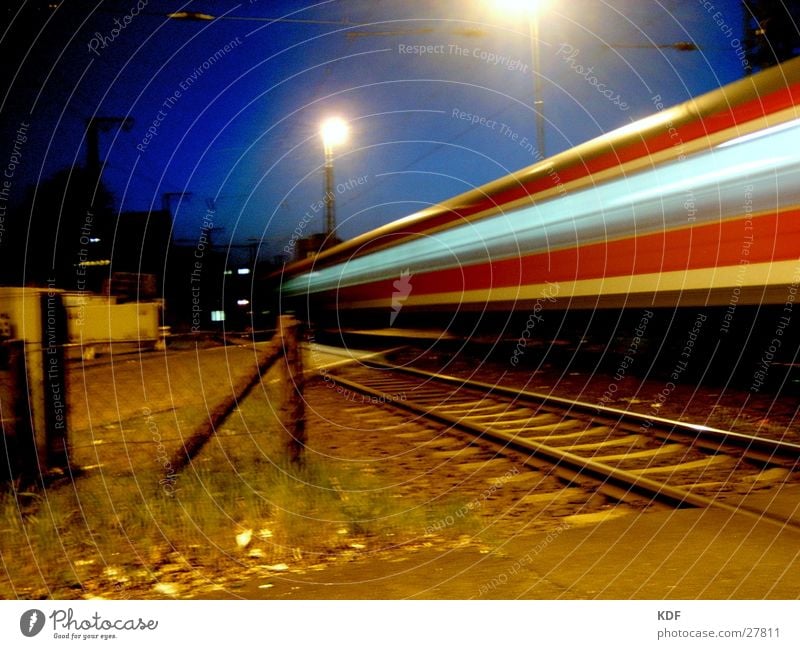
(293, 407)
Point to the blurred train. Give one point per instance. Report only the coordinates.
(696, 207)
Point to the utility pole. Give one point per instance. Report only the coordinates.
(166, 200)
(93, 126)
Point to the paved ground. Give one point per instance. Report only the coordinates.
(131, 412)
(690, 554)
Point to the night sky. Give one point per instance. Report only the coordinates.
(438, 95)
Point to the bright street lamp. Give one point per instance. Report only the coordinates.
(334, 132)
(520, 6)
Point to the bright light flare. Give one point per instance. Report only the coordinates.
(521, 6)
(334, 131)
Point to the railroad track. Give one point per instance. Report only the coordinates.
(626, 456)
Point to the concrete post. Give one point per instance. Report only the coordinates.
(18, 456)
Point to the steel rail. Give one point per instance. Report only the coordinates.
(620, 478)
(774, 448)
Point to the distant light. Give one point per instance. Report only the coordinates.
(95, 262)
(334, 131)
(228, 272)
(242, 271)
(94, 240)
(242, 302)
(190, 15)
(217, 316)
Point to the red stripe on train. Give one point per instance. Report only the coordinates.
(774, 238)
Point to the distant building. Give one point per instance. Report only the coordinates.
(139, 255)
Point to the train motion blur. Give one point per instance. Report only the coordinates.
(695, 209)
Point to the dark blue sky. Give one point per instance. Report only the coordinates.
(229, 109)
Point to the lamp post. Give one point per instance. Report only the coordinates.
(533, 8)
(333, 132)
(538, 100)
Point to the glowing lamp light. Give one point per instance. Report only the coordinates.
(521, 6)
(334, 131)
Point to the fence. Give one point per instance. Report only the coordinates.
(122, 413)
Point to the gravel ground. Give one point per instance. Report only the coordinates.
(454, 497)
